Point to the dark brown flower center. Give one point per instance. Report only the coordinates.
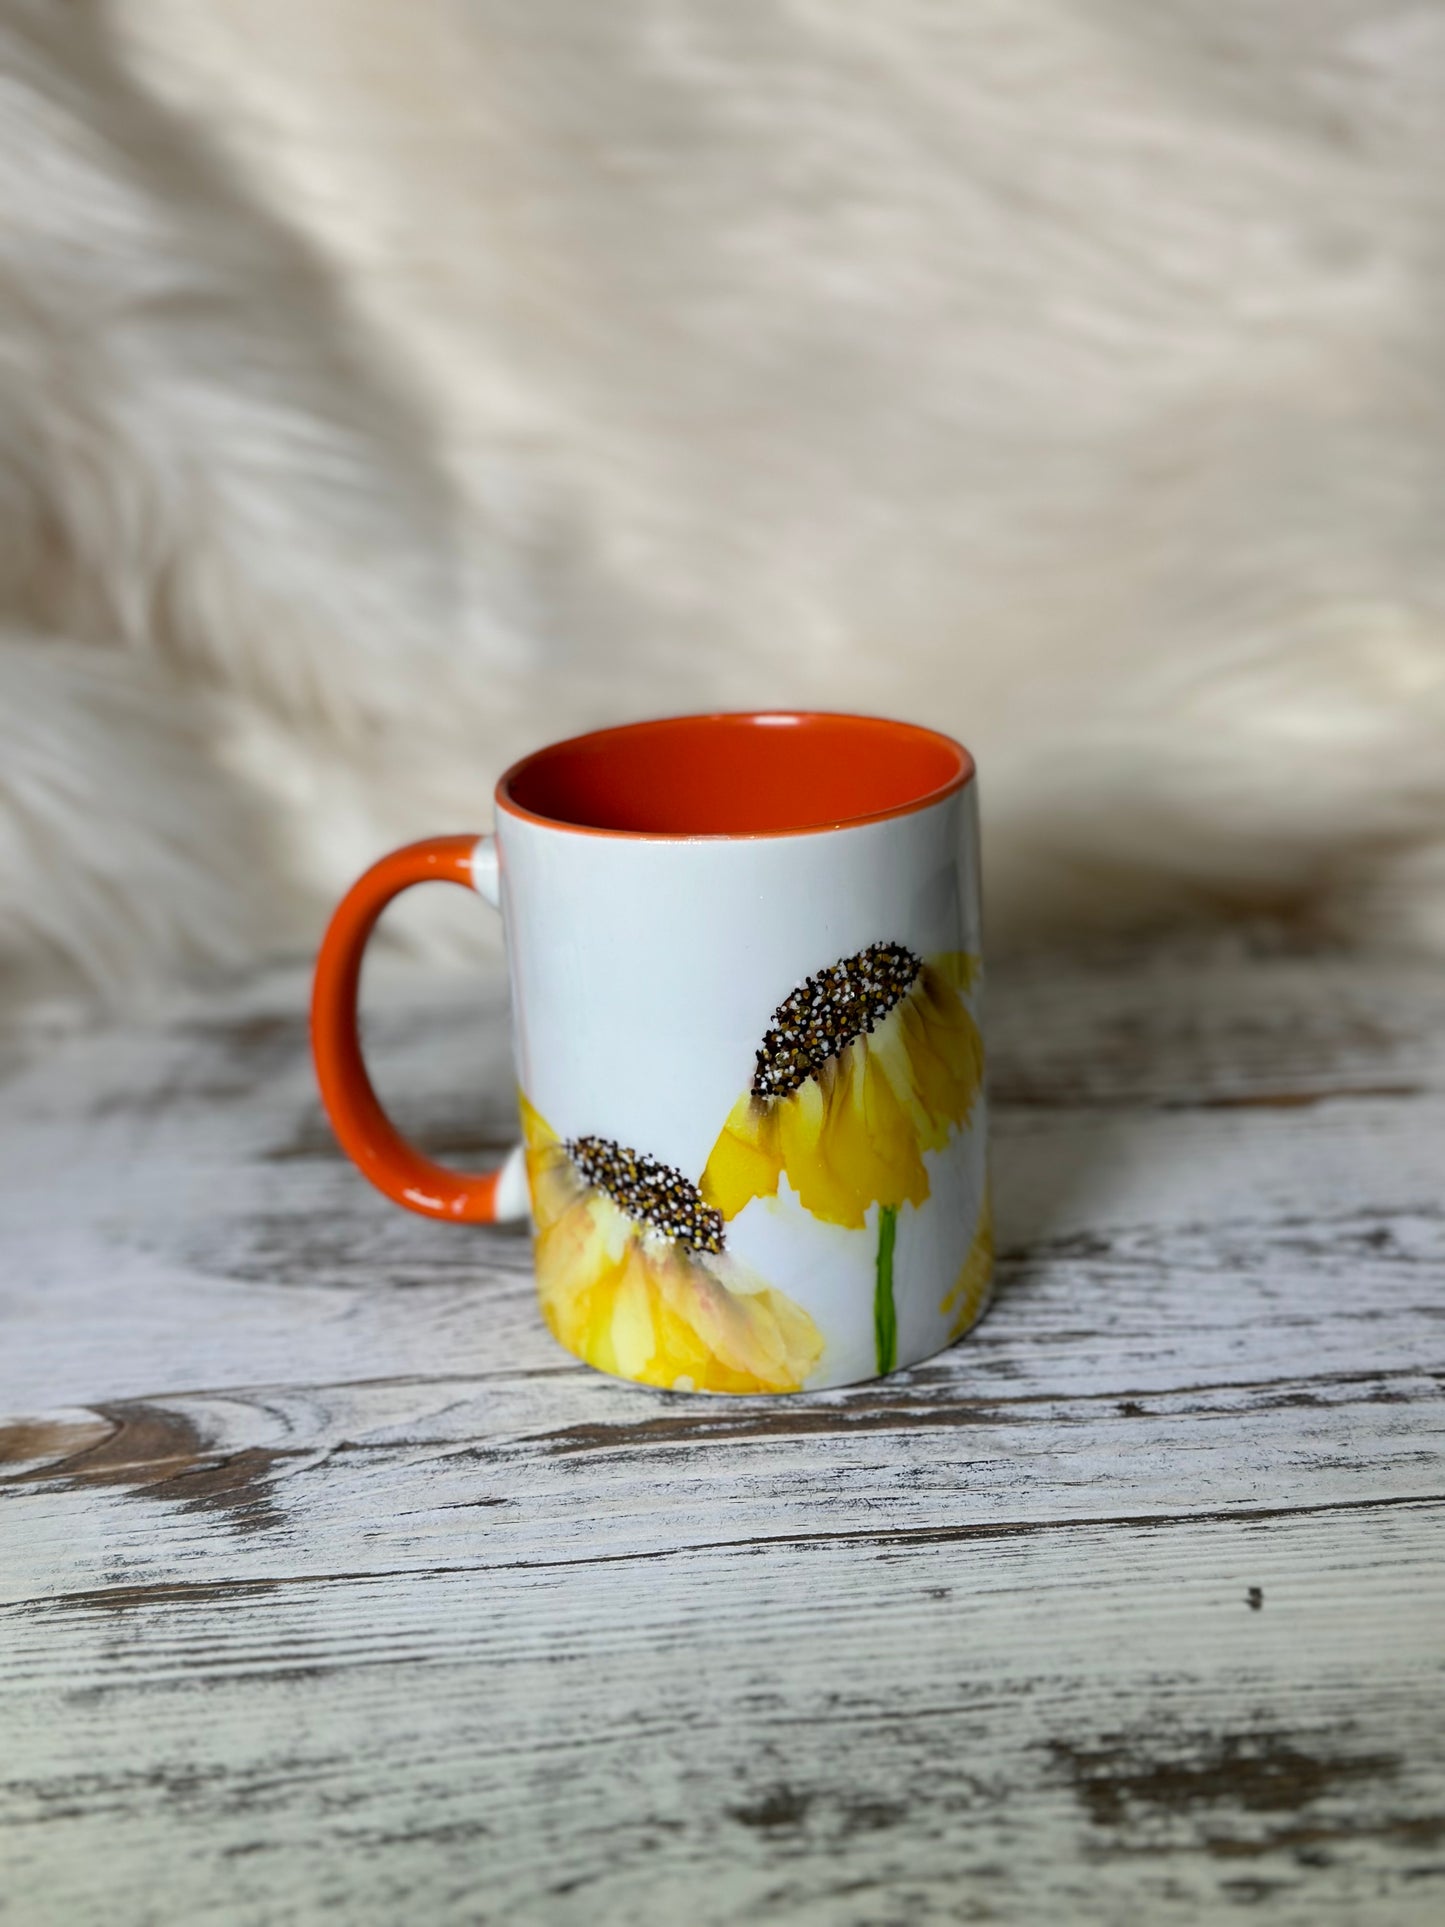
(823, 1016)
(651, 1192)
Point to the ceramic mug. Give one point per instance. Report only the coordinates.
(744, 962)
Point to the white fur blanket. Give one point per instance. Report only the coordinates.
(384, 389)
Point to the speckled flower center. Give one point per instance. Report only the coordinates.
(649, 1191)
(823, 1016)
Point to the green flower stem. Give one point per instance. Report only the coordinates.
(885, 1316)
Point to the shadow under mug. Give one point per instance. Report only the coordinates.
(744, 964)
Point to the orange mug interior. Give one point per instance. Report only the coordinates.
(767, 773)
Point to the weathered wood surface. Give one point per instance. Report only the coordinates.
(328, 1584)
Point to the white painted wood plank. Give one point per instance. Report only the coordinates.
(296, 1488)
(1084, 1725)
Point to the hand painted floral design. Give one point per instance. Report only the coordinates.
(634, 1276)
(866, 1066)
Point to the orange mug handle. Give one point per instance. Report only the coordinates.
(366, 1133)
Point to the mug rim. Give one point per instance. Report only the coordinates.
(898, 732)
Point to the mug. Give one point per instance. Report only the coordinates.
(744, 964)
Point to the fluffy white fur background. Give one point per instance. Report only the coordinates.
(386, 388)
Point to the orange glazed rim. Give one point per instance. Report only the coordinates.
(735, 774)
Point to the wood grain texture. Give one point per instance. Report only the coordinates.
(329, 1586)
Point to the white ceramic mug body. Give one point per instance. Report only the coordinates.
(646, 972)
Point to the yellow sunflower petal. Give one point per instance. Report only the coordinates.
(734, 1340)
(847, 1142)
(626, 1326)
(537, 1133)
(802, 1124)
(854, 1135)
(745, 1162)
(551, 1179)
(959, 968)
(971, 1287)
(933, 1052)
(655, 1313)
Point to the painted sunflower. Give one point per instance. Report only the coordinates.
(866, 1066)
(634, 1277)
